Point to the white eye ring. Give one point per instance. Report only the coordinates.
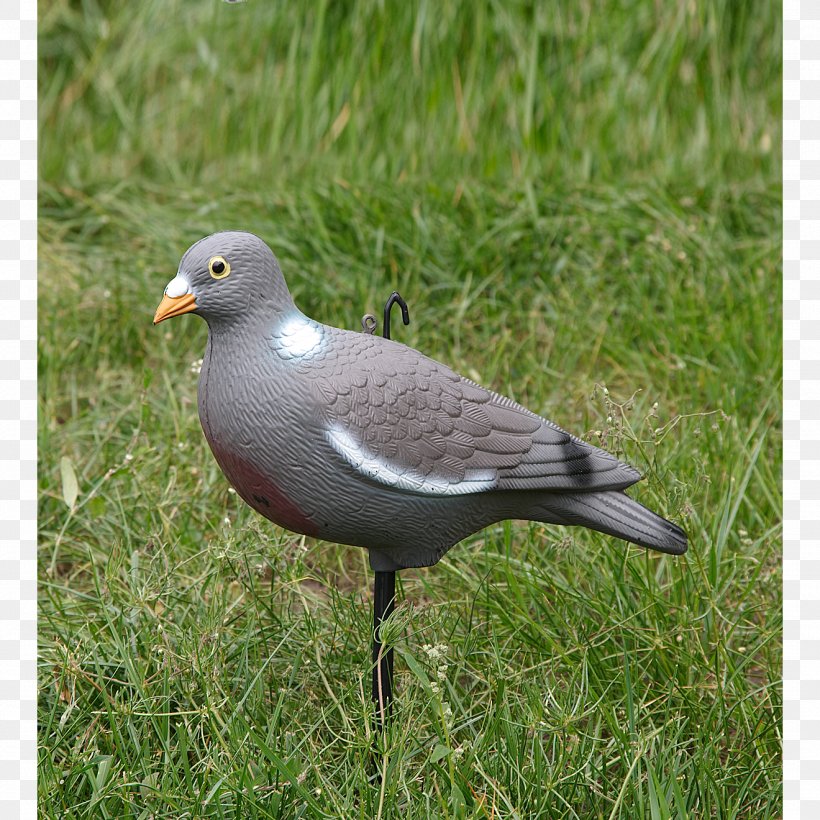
(218, 267)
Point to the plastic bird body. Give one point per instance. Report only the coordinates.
(360, 440)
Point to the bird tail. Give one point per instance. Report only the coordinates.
(615, 513)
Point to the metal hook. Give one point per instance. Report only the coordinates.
(369, 322)
(395, 298)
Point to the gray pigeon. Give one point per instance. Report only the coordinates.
(361, 440)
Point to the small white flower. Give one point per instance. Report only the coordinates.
(231, 490)
(129, 457)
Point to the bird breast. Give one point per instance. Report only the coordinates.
(246, 419)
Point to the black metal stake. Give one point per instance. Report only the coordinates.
(384, 584)
(384, 597)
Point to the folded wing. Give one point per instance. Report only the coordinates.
(406, 421)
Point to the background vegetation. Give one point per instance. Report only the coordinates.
(569, 195)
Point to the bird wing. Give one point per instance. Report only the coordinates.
(404, 420)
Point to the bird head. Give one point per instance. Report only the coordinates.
(226, 278)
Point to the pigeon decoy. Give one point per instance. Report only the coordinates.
(360, 440)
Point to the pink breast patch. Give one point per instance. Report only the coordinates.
(261, 493)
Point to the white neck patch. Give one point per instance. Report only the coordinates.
(298, 338)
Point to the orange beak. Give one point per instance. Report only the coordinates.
(174, 306)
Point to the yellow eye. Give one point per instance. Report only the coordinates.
(218, 267)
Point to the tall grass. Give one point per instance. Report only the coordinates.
(179, 91)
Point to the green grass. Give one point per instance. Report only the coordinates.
(580, 196)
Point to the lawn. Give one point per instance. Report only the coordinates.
(580, 203)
